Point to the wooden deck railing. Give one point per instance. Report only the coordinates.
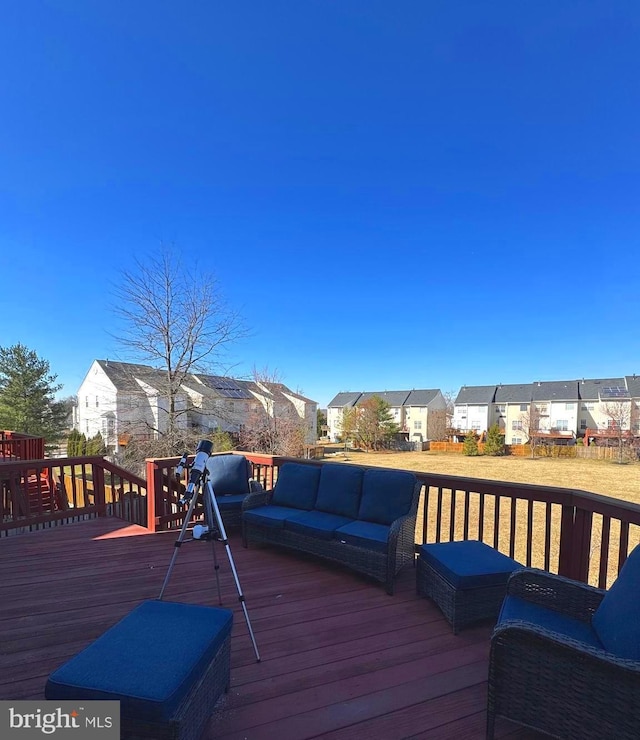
(36, 493)
(15, 446)
(575, 533)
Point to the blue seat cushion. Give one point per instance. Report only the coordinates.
(229, 474)
(148, 661)
(386, 495)
(469, 563)
(339, 490)
(232, 501)
(296, 486)
(368, 535)
(522, 610)
(617, 619)
(318, 524)
(269, 516)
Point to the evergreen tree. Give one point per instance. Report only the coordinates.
(470, 444)
(95, 445)
(74, 443)
(27, 395)
(495, 441)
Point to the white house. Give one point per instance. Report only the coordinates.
(121, 399)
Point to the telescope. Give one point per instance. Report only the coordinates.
(199, 465)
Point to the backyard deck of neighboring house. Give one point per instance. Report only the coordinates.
(340, 658)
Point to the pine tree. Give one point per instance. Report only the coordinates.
(470, 444)
(495, 441)
(27, 395)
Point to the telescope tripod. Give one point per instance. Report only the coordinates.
(214, 530)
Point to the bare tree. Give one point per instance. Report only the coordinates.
(530, 426)
(174, 319)
(618, 415)
(348, 425)
(274, 425)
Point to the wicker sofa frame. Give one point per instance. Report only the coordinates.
(381, 566)
(555, 684)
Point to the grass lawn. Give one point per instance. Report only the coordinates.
(597, 476)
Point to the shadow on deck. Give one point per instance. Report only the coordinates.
(340, 658)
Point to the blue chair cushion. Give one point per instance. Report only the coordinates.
(319, 524)
(469, 563)
(368, 535)
(339, 490)
(269, 516)
(149, 661)
(229, 474)
(617, 619)
(231, 501)
(522, 610)
(386, 495)
(296, 486)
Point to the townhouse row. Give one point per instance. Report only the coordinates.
(121, 400)
(419, 414)
(561, 411)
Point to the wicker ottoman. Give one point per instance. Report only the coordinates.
(166, 663)
(466, 579)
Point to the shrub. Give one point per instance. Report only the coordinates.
(470, 445)
(495, 441)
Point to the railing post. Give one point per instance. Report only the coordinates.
(97, 473)
(154, 492)
(575, 543)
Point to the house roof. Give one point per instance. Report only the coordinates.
(421, 397)
(520, 393)
(602, 389)
(476, 394)
(555, 390)
(393, 398)
(124, 375)
(633, 384)
(344, 399)
(225, 387)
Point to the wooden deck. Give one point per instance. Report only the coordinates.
(340, 658)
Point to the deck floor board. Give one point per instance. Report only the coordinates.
(340, 658)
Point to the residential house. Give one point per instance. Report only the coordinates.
(511, 409)
(473, 408)
(419, 414)
(121, 400)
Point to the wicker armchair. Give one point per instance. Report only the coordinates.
(565, 657)
(230, 476)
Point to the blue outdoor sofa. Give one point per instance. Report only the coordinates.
(362, 518)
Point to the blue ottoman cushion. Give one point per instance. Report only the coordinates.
(149, 660)
(469, 563)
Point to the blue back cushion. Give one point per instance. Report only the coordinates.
(617, 619)
(229, 474)
(296, 486)
(386, 495)
(339, 490)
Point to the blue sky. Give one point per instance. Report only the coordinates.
(395, 195)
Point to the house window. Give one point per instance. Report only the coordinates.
(516, 424)
(568, 407)
(417, 425)
(97, 402)
(516, 440)
(86, 402)
(588, 407)
(501, 408)
(523, 407)
(562, 425)
(542, 408)
(475, 426)
(583, 423)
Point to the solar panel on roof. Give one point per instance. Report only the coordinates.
(614, 391)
